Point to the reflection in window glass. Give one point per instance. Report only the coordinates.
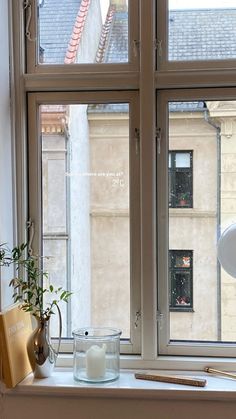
(201, 30)
(208, 129)
(85, 195)
(83, 31)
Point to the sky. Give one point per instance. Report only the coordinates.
(184, 4)
(201, 4)
(104, 7)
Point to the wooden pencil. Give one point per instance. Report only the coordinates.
(197, 382)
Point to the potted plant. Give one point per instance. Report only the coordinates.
(30, 292)
(183, 199)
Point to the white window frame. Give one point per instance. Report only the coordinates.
(141, 75)
(32, 47)
(35, 188)
(165, 346)
(165, 65)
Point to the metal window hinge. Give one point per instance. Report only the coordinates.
(158, 140)
(159, 319)
(158, 46)
(137, 140)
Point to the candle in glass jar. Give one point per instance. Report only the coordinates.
(96, 362)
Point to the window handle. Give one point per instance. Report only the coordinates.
(159, 318)
(158, 46)
(137, 140)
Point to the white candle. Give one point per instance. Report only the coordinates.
(96, 362)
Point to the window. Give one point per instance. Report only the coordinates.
(180, 179)
(95, 34)
(139, 141)
(68, 40)
(181, 279)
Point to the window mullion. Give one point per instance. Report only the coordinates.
(147, 120)
(162, 224)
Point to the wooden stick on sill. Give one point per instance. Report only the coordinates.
(198, 382)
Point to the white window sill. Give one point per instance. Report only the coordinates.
(61, 383)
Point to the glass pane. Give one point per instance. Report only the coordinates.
(83, 31)
(85, 196)
(202, 30)
(208, 130)
(182, 160)
(181, 289)
(182, 261)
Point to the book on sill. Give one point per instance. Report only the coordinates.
(15, 330)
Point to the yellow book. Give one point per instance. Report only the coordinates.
(15, 330)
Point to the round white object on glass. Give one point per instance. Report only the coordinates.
(226, 250)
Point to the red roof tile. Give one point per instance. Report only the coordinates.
(77, 32)
(104, 35)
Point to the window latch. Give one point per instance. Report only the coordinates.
(136, 47)
(137, 139)
(137, 318)
(158, 139)
(30, 226)
(158, 46)
(28, 8)
(159, 319)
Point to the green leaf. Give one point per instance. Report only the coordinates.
(63, 295)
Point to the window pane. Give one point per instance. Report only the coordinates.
(83, 31)
(85, 196)
(208, 130)
(202, 30)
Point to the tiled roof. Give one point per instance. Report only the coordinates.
(187, 106)
(193, 34)
(77, 32)
(106, 29)
(109, 108)
(57, 18)
(116, 50)
(202, 34)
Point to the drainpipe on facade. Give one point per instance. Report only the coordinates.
(217, 127)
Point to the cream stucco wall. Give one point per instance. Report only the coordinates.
(110, 243)
(224, 113)
(195, 228)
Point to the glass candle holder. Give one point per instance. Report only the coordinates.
(96, 354)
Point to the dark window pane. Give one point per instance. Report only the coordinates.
(181, 278)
